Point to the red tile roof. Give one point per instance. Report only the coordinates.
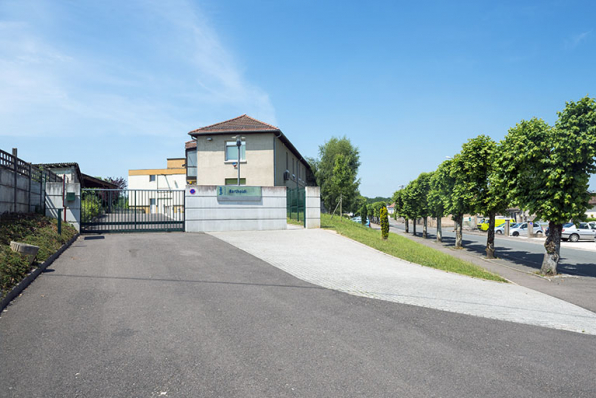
(190, 144)
(592, 201)
(240, 124)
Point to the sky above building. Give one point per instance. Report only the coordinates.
(117, 85)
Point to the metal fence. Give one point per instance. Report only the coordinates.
(296, 203)
(22, 185)
(132, 210)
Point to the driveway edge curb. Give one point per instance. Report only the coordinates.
(34, 274)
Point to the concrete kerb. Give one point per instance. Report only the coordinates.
(34, 274)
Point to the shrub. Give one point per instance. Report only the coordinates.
(384, 222)
(90, 207)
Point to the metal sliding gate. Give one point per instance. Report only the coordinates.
(132, 210)
(295, 203)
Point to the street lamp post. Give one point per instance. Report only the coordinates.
(238, 144)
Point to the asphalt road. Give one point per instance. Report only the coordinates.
(187, 315)
(518, 250)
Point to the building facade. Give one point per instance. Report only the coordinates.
(154, 188)
(267, 157)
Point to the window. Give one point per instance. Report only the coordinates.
(152, 178)
(232, 151)
(234, 181)
(191, 163)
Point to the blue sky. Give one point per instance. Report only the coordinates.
(117, 85)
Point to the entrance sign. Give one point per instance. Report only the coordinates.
(239, 193)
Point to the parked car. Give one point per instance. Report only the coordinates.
(483, 225)
(358, 219)
(573, 232)
(522, 229)
(501, 228)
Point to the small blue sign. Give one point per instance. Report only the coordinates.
(192, 191)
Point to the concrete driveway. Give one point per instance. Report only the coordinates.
(188, 315)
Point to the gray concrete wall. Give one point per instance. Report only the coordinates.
(205, 213)
(55, 201)
(313, 207)
(7, 191)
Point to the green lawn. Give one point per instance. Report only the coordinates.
(293, 221)
(405, 248)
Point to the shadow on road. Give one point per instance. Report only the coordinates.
(528, 259)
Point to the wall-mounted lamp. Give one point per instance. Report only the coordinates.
(209, 139)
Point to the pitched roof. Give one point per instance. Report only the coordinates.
(240, 124)
(243, 124)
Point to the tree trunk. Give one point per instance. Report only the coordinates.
(407, 225)
(490, 240)
(458, 231)
(414, 226)
(425, 228)
(439, 230)
(553, 248)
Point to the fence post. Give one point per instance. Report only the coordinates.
(29, 198)
(15, 169)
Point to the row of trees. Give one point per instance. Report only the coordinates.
(541, 168)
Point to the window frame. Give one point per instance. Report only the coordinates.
(233, 144)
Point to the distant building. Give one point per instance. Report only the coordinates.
(155, 185)
(71, 172)
(591, 212)
(391, 208)
(267, 157)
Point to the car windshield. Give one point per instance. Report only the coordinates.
(515, 225)
(569, 224)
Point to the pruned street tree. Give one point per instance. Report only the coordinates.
(480, 195)
(410, 205)
(418, 199)
(458, 202)
(398, 199)
(436, 202)
(547, 169)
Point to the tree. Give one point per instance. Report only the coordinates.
(398, 199)
(436, 203)
(418, 191)
(410, 207)
(346, 183)
(450, 186)
(547, 170)
(384, 222)
(481, 196)
(343, 183)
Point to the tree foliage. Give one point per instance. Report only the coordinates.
(384, 222)
(363, 214)
(546, 169)
(336, 172)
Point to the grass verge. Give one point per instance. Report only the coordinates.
(294, 222)
(33, 229)
(406, 249)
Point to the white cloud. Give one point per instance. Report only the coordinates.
(160, 73)
(576, 40)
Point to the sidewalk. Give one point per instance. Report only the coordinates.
(335, 262)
